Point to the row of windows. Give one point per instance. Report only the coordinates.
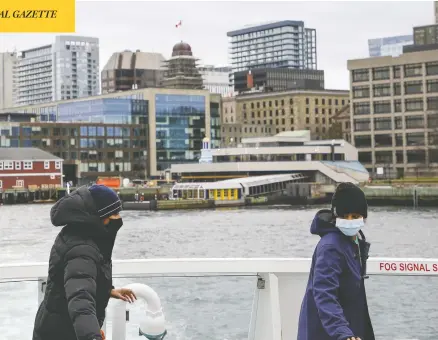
(386, 140)
(26, 165)
(384, 90)
(291, 102)
(411, 122)
(384, 106)
(384, 73)
(386, 157)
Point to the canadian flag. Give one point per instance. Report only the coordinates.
(178, 24)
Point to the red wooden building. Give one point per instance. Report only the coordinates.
(29, 168)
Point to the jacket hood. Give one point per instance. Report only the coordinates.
(78, 210)
(322, 223)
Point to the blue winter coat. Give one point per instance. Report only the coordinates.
(335, 304)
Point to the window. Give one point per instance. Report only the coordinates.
(27, 165)
(397, 89)
(8, 165)
(382, 107)
(361, 108)
(1, 165)
(397, 105)
(380, 73)
(413, 70)
(382, 90)
(17, 165)
(414, 122)
(362, 141)
(432, 68)
(360, 75)
(382, 124)
(46, 165)
(432, 86)
(383, 157)
(415, 139)
(432, 103)
(19, 183)
(361, 92)
(399, 139)
(398, 122)
(413, 87)
(414, 104)
(362, 125)
(382, 140)
(396, 71)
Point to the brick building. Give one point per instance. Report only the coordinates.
(28, 168)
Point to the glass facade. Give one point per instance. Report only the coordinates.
(284, 44)
(107, 110)
(390, 46)
(102, 149)
(180, 128)
(215, 125)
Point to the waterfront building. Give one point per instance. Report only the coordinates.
(29, 168)
(278, 79)
(66, 69)
(89, 150)
(216, 79)
(176, 120)
(8, 61)
(129, 70)
(181, 69)
(274, 112)
(281, 44)
(323, 161)
(394, 113)
(389, 46)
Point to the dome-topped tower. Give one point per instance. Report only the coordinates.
(182, 48)
(181, 69)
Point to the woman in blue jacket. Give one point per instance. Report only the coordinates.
(335, 304)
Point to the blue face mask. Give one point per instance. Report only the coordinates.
(350, 227)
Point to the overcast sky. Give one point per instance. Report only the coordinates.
(342, 28)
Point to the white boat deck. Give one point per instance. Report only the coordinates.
(278, 291)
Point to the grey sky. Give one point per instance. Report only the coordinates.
(343, 28)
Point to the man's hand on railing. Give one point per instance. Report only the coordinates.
(124, 294)
(102, 333)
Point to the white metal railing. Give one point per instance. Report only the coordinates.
(278, 293)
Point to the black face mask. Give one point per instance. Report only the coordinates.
(114, 226)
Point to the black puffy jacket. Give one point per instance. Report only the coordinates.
(80, 273)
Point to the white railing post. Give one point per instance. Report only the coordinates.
(266, 316)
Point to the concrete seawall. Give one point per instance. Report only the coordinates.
(408, 196)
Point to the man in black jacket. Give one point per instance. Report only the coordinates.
(79, 282)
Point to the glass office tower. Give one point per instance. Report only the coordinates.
(180, 128)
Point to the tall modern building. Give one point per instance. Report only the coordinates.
(8, 61)
(216, 78)
(127, 70)
(174, 121)
(281, 44)
(389, 46)
(66, 69)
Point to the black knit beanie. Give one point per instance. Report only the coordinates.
(349, 199)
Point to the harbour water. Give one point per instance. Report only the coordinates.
(219, 308)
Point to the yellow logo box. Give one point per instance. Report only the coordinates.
(37, 16)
